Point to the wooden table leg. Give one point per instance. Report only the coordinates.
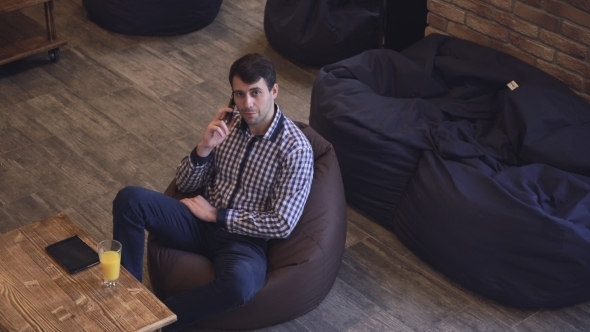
(49, 20)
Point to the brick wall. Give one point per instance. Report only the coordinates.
(553, 35)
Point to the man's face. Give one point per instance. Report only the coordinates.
(255, 103)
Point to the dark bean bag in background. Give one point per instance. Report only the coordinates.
(491, 186)
(152, 17)
(301, 268)
(319, 32)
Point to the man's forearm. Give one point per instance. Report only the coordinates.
(203, 151)
(267, 225)
(190, 176)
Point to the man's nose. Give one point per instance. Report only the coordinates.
(249, 101)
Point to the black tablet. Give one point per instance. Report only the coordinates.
(73, 254)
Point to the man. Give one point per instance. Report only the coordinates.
(256, 169)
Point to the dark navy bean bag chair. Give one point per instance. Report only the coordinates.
(490, 186)
(152, 17)
(319, 32)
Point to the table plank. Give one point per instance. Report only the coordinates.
(37, 293)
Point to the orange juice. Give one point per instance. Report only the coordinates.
(110, 261)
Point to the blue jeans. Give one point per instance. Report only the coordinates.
(239, 261)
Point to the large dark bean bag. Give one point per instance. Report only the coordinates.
(319, 32)
(491, 186)
(301, 269)
(152, 17)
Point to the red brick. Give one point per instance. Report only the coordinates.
(582, 4)
(436, 22)
(561, 43)
(563, 75)
(517, 24)
(576, 33)
(569, 12)
(580, 67)
(515, 52)
(476, 7)
(534, 3)
(431, 30)
(536, 16)
(446, 11)
(463, 32)
(537, 49)
(486, 27)
(502, 4)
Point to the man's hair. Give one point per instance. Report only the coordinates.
(251, 68)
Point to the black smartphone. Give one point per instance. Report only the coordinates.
(73, 254)
(229, 115)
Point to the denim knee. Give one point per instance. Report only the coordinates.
(128, 194)
(127, 199)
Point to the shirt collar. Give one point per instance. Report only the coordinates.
(275, 127)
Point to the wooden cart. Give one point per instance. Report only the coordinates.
(21, 36)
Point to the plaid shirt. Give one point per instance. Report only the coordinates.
(259, 184)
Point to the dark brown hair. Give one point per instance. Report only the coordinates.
(252, 67)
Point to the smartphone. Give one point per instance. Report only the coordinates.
(229, 115)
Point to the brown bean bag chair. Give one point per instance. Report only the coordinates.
(301, 269)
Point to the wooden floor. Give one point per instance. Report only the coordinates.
(121, 110)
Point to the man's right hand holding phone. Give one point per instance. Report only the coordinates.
(216, 131)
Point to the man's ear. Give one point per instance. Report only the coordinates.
(275, 90)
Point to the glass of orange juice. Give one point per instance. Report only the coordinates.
(109, 254)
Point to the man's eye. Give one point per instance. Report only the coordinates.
(256, 93)
(238, 94)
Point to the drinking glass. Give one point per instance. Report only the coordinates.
(109, 253)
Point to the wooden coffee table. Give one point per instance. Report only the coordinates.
(37, 294)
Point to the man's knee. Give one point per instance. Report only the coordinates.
(128, 196)
(128, 200)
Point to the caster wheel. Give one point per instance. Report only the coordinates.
(54, 54)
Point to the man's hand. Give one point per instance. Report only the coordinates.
(201, 208)
(216, 132)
